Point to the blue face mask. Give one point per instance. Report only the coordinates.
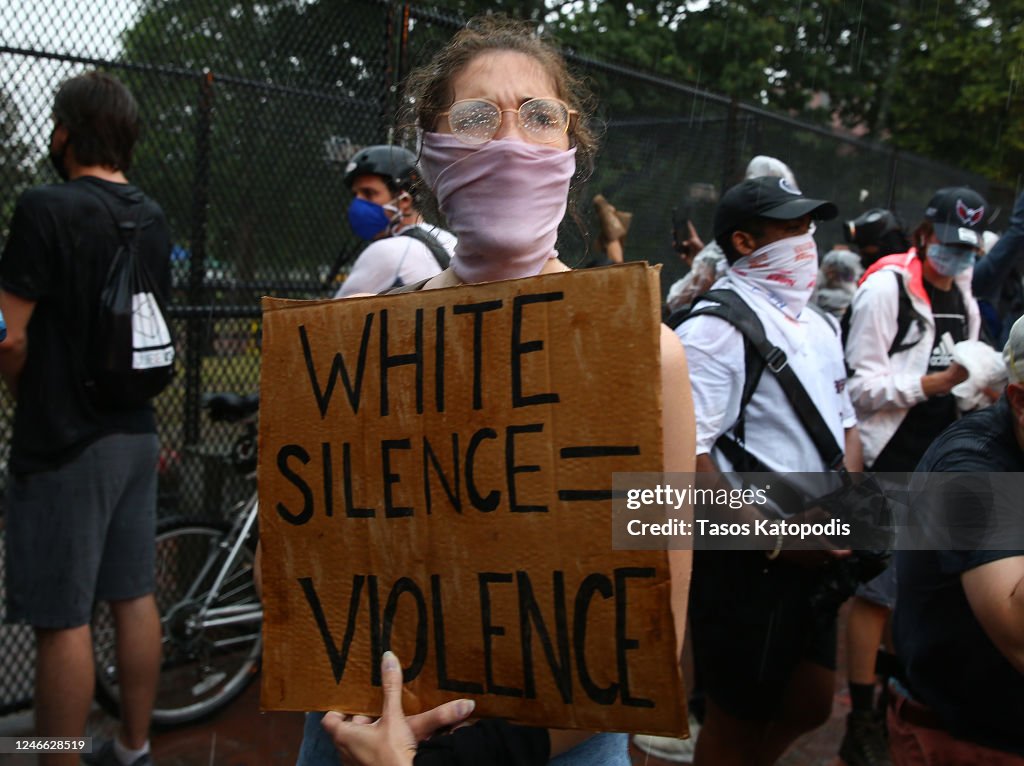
(367, 219)
(949, 260)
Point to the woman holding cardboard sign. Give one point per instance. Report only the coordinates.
(504, 135)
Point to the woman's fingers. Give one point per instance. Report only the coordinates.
(347, 718)
(334, 724)
(341, 727)
(391, 680)
(449, 714)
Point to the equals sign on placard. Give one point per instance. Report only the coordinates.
(593, 451)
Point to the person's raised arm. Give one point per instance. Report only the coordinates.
(680, 445)
(853, 450)
(992, 271)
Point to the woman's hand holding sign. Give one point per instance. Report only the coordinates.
(392, 739)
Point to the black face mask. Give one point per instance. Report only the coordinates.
(57, 158)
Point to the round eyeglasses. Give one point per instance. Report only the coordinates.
(474, 121)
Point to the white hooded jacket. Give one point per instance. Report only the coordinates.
(884, 388)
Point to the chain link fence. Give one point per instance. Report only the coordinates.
(250, 113)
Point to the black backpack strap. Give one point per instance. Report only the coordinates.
(720, 303)
(127, 230)
(679, 316)
(905, 316)
(733, 309)
(428, 239)
(739, 458)
(410, 288)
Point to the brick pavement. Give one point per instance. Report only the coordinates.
(243, 736)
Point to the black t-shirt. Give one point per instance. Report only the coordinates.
(62, 239)
(950, 663)
(927, 419)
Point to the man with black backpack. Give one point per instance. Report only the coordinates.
(769, 396)
(403, 248)
(81, 512)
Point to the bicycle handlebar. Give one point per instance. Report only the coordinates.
(229, 407)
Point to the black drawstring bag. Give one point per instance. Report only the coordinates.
(131, 356)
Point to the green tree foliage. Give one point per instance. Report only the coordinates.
(772, 52)
(272, 151)
(941, 78)
(958, 92)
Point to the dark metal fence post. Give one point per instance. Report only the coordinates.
(730, 146)
(403, 52)
(197, 271)
(388, 74)
(894, 164)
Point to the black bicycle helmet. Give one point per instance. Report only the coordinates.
(396, 165)
(879, 230)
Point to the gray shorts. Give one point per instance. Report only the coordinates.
(882, 589)
(82, 533)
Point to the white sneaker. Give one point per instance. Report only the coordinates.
(669, 748)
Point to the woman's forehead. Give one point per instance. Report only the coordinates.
(502, 72)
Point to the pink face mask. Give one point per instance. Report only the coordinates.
(503, 200)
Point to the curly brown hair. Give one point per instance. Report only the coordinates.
(429, 90)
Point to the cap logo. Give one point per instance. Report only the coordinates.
(789, 188)
(967, 216)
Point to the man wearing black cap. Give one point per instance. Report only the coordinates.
(403, 248)
(908, 313)
(764, 651)
(901, 385)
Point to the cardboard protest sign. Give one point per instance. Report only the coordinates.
(435, 478)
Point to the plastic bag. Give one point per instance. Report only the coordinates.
(708, 265)
(987, 375)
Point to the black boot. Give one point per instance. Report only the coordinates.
(865, 742)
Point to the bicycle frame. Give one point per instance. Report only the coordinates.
(207, 616)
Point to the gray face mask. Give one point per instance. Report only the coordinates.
(57, 159)
(950, 260)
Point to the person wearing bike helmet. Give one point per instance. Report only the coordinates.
(876, 233)
(403, 247)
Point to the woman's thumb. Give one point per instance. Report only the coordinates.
(391, 680)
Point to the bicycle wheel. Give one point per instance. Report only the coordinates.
(208, 656)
